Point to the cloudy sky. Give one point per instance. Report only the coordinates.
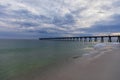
(51, 18)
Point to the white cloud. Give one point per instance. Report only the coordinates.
(82, 14)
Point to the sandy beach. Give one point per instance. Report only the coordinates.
(103, 66)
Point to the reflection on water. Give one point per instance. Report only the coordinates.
(19, 57)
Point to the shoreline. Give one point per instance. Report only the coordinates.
(104, 66)
(96, 66)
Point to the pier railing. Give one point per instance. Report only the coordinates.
(87, 38)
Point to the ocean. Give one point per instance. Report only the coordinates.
(22, 57)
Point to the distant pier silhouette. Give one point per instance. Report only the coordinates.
(87, 38)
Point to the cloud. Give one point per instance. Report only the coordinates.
(65, 20)
(106, 27)
(60, 17)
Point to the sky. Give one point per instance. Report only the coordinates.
(58, 18)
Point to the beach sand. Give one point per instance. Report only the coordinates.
(104, 64)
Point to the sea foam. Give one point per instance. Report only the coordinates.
(101, 48)
(106, 45)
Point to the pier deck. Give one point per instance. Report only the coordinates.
(87, 38)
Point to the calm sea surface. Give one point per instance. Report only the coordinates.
(19, 57)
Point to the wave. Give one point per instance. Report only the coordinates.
(101, 48)
(106, 45)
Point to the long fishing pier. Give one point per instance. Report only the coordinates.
(115, 38)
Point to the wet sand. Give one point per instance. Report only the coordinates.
(103, 66)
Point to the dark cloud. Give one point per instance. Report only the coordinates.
(103, 27)
(2, 14)
(24, 14)
(42, 19)
(65, 20)
(2, 7)
(3, 10)
(27, 24)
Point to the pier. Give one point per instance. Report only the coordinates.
(109, 38)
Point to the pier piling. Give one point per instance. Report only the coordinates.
(86, 38)
(95, 39)
(109, 39)
(102, 39)
(90, 39)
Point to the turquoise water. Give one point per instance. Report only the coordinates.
(19, 57)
